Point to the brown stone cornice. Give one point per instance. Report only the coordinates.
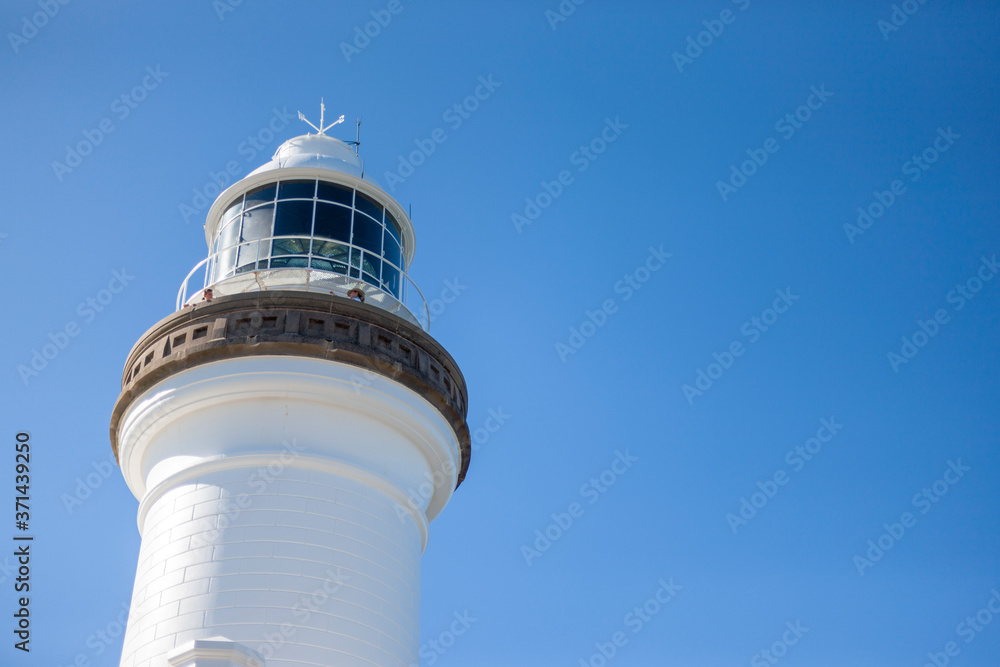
(300, 324)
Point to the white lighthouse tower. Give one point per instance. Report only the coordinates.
(290, 433)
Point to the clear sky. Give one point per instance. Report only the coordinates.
(644, 196)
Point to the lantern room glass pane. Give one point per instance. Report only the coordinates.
(367, 234)
(296, 189)
(293, 217)
(257, 223)
(233, 210)
(390, 280)
(290, 262)
(368, 205)
(332, 222)
(262, 195)
(393, 227)
(230, 234)
(391, 251)
(335, 193)
(299, 246)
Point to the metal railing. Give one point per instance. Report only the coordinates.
(258, 275)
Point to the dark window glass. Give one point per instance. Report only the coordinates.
(333, 222)
(257, 223)
(393, 227)
(372, 265)
(335, 193)
(290, 247)
(367, 234)
(293, 217)
(390, 250)
(262, 195)
(296, 189)
(368, 205)
(390, 280)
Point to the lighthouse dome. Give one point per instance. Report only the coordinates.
(315, 150)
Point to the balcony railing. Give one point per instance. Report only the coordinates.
(312, 273)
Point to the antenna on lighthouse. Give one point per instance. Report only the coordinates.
(322, 112)
(357, 139)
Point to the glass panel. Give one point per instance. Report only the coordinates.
(293, 262)
(290, 247)
(261, 195)
(332, 222)
(335, 193)
(367, 234)
(233, 210)
(390, 280)
(224, 265)
(230, 234)
(257, 223)
(293, 217)
(393, 227)
(372, 265)
(327, 265)
(391, 251)
(331, 250)
(369, 206)
(248, 259)
(296, 189)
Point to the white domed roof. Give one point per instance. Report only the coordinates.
(315, 150)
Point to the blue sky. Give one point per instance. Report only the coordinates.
(869, 99)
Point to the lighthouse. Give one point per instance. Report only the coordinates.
(290, 430)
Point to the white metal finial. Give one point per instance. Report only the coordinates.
(322, 113)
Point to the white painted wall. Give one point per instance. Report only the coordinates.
(274, 511)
